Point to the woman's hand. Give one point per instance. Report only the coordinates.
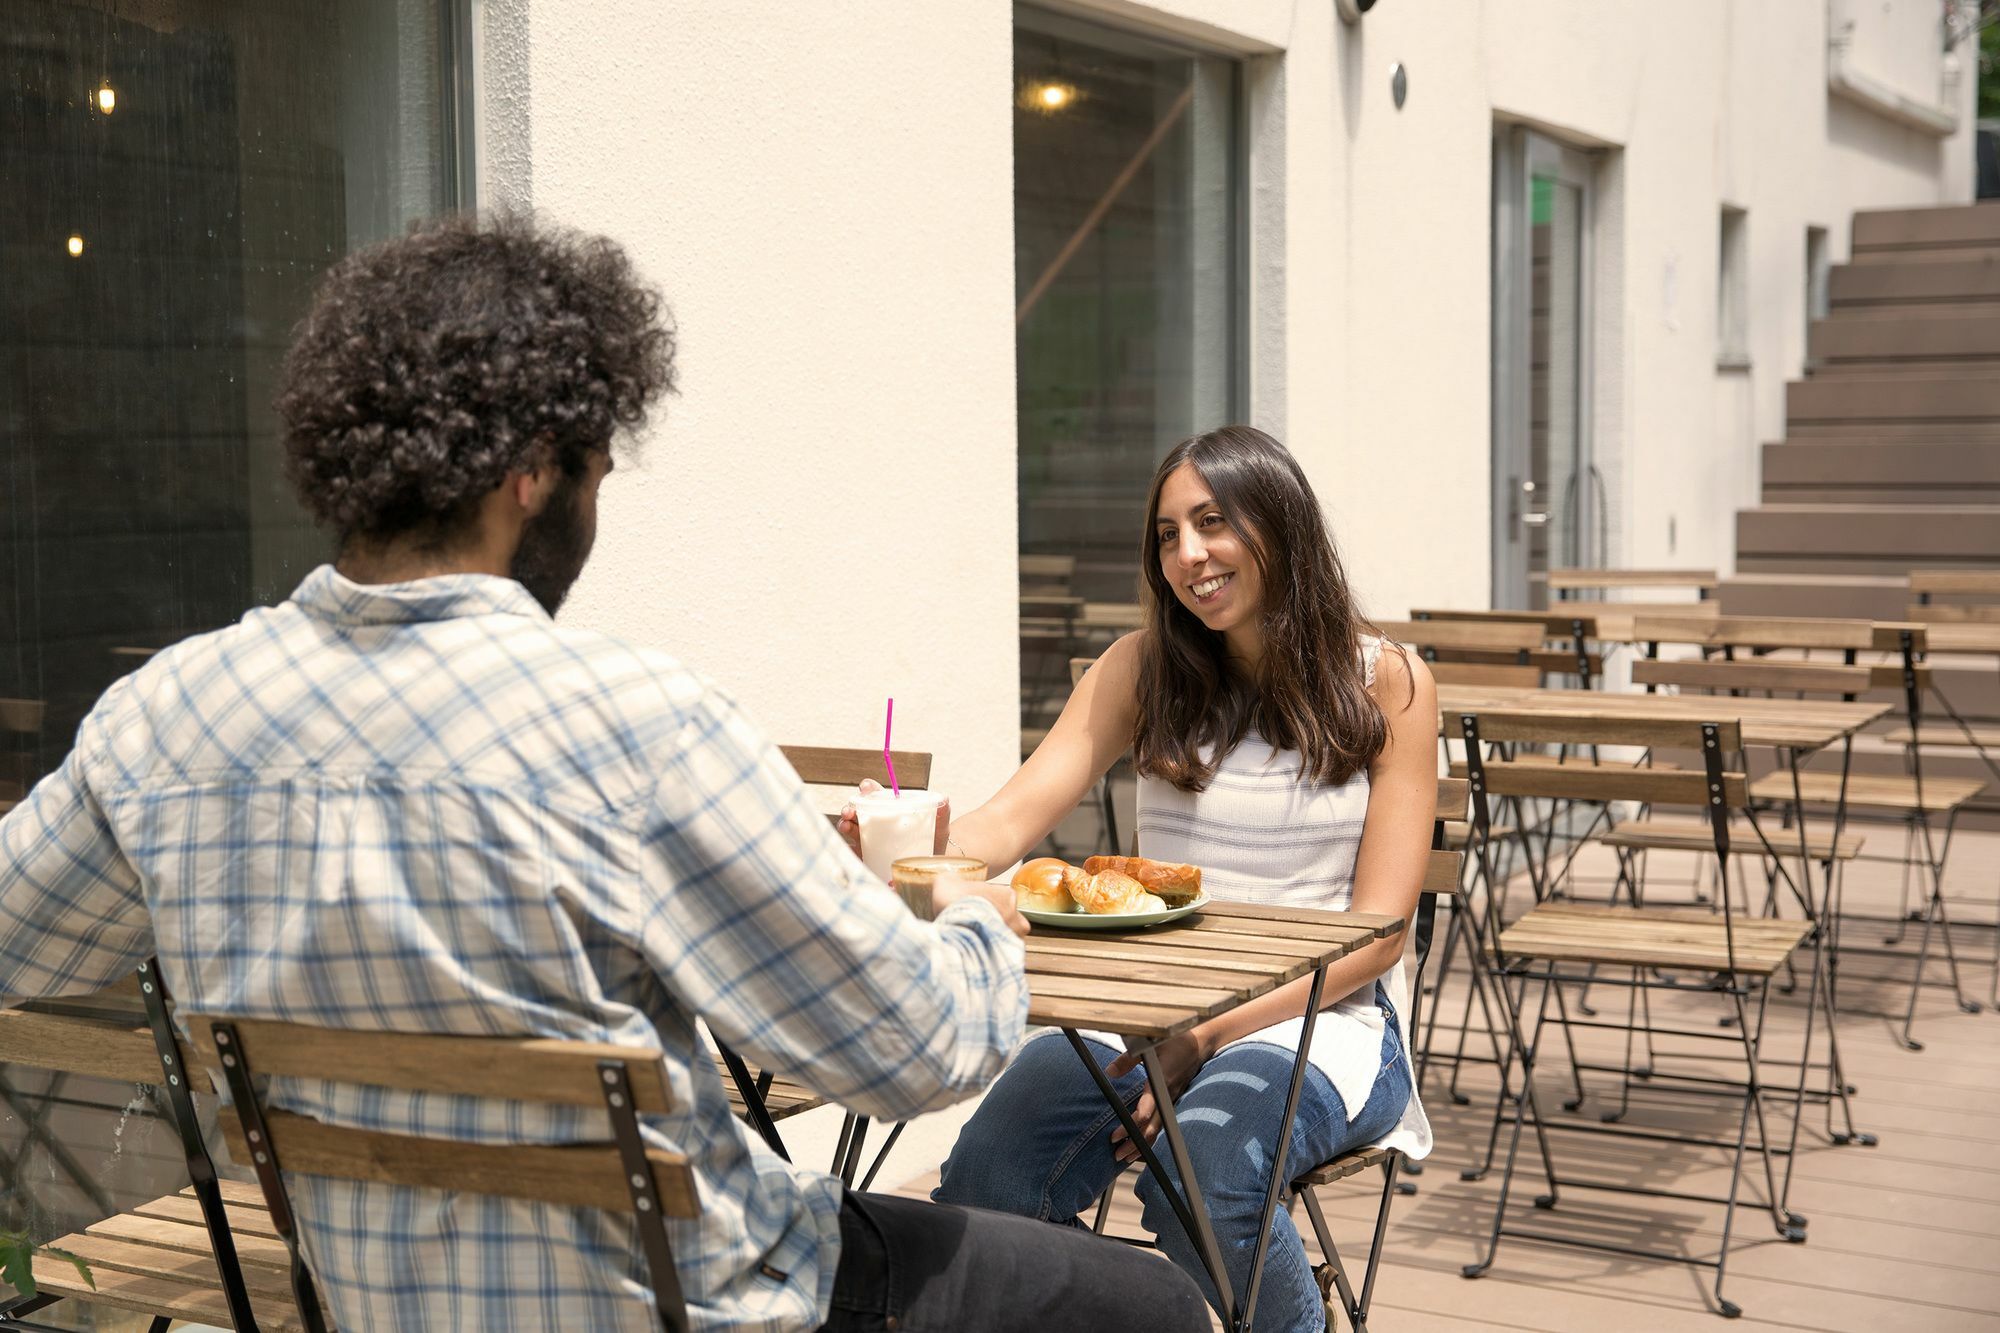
(1179, 1059)
(849, 827)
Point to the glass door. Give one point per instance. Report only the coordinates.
(1547, 501)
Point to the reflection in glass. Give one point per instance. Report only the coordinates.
(1555, 404)
(174, 177)
(1126, 217)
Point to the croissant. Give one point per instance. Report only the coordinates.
(1175, 884)
(1108, 891)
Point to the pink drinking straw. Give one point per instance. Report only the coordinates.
(888, 725)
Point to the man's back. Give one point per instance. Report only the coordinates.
(424, 807)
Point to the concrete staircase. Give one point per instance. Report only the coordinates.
(1891, 455)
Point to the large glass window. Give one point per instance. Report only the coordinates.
(175, 175)
(1127, 257)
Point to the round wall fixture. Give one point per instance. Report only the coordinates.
(1352, 10)
(1399, 84)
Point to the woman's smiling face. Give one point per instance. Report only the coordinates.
(1210, 565)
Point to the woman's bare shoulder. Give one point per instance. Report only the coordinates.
(1402, 679)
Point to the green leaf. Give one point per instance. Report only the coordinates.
(17, 1262)
(82, 1268)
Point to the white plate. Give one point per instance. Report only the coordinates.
(1113, 920)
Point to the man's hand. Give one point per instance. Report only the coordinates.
(949, 889)
(1179, 1059)
(849, 827)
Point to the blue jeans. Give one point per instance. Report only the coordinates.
(1040, 1145)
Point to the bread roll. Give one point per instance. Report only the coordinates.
(1041, 885)
(1107, 892)
(1175, 884)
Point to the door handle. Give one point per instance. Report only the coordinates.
(1535, 518)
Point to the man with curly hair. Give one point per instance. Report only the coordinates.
(406, 799)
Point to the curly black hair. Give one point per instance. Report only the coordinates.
(432, 365)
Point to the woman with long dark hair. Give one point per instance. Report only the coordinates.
(1280, 748)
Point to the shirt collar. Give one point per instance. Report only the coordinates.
(326, 594)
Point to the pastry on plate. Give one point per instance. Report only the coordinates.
(1174, 884)
(1109, 892)
(1042, 885)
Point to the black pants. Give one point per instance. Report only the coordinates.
(913, 1267)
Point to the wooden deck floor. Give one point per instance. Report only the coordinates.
(1905, 1235)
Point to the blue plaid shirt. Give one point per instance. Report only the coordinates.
(425, 807)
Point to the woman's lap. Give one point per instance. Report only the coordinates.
(1040, 1142)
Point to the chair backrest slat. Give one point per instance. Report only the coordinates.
(1966, 582)
(1489, 635)
(526, 1069)
(825, 766)
(1524, 676)
(91, 1047)
(1452, 797)
(1777, 632)
(1791, 677)
(1441, 873)
(1585, 781)
(1954, 613)
(1559, 622)
(576, 1175)
(1584, 725)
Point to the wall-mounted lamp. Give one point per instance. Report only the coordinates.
(107, 98)
(1350, 11)
(75, 245)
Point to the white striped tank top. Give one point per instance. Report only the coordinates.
(1262, 833)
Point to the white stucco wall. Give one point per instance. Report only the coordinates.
(825, 516)
(825, 192)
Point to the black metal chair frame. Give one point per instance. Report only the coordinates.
(1738, 987)
(201, 1175)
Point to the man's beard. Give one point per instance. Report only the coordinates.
(554, 545)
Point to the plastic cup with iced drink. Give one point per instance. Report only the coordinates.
(895, 826)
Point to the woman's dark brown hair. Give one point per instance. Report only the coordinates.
(1309, 693)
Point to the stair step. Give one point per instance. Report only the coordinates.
(1967, 225)
(1957, 399)
(1913, 534)
(1915, 280)
(1872, 472)
(1901, 338)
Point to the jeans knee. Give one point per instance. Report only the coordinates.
(987, 1176)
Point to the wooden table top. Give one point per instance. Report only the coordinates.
(1154, 983)
(1796, 724)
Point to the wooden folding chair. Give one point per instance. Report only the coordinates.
(1738, 956)
(1967, 623)
(624, 1176)
(1499, 639)
(1912, 799)
(176, 1257)
(1441, 882)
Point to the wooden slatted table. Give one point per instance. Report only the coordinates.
(1788, 724)
(1148, 985)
